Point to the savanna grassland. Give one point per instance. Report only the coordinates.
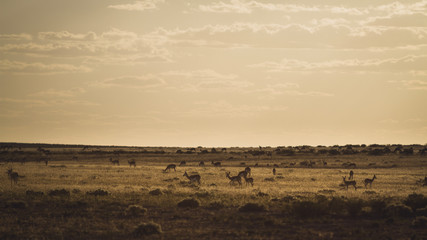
(76, 192)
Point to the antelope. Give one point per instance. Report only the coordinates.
(132, 163)
(249, 180)
(13, 176)
(115, 162)
(169, 167)
(248, 170)
(46, 161)
(351, 175)
(201, 164)
(369, 181)
(182, 163)
(234, 179)
(274, 171)
(242, 174)
(216, 164)
(347, 183)
(193, 178)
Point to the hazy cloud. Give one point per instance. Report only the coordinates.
(138, 5)
(135, 82)
(18, 67)
(364, 64)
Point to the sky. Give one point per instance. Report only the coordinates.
(213, 73)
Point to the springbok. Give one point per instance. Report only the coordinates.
(243, 174)
(201, 164)
(169, 167)
(193, 178)
(216, 164)
(13, 176)
(182, 163)
(132, 163)
(234, 179)
(115, 162)
(369, 181)
(351, 175)
(347, 183)
(249, 180)
(248, 170)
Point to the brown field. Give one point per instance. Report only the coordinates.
(299, 202)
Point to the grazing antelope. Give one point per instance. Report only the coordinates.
(216, 164)
(193, 178)
(13, 176)
(234, 179)
(351, 175)
(201, 164)
(274, 171)
(369, 181)
(132, 163)
(182, 163)
(249, 180)
(347, 183)
(248, 170)
(115, 162)
(169, 167)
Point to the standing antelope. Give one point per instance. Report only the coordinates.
(248, 170)
(13, 176)
(347, 183)
(274, 171)
(169, 167)
(369, 181)
(243, 174)
(216, 164)
(115, 162)
(351, 175)
(234, 179)
(249, 180)
(132, 163)
(201, 164)
(193, 178)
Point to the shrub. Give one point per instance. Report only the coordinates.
(378, 207)
(252, 207)
(337, 206)
(189, 203)
(421, 212)
(415, 201)
(399, 211)
(59, 193)
(146, 229)
(419, 222)
(17, 204)
(98, 192)
(309, 209)
(156, 192)
(354, 207)
(31, 193)
(135, 210)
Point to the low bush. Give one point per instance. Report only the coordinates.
(420, 222)
(135, 211)
(415, 201)
(252, 207)
(146, 229)
(98, 192)
(189, 203)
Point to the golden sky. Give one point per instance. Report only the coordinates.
(213, 73)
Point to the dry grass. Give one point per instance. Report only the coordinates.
(284, 197)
